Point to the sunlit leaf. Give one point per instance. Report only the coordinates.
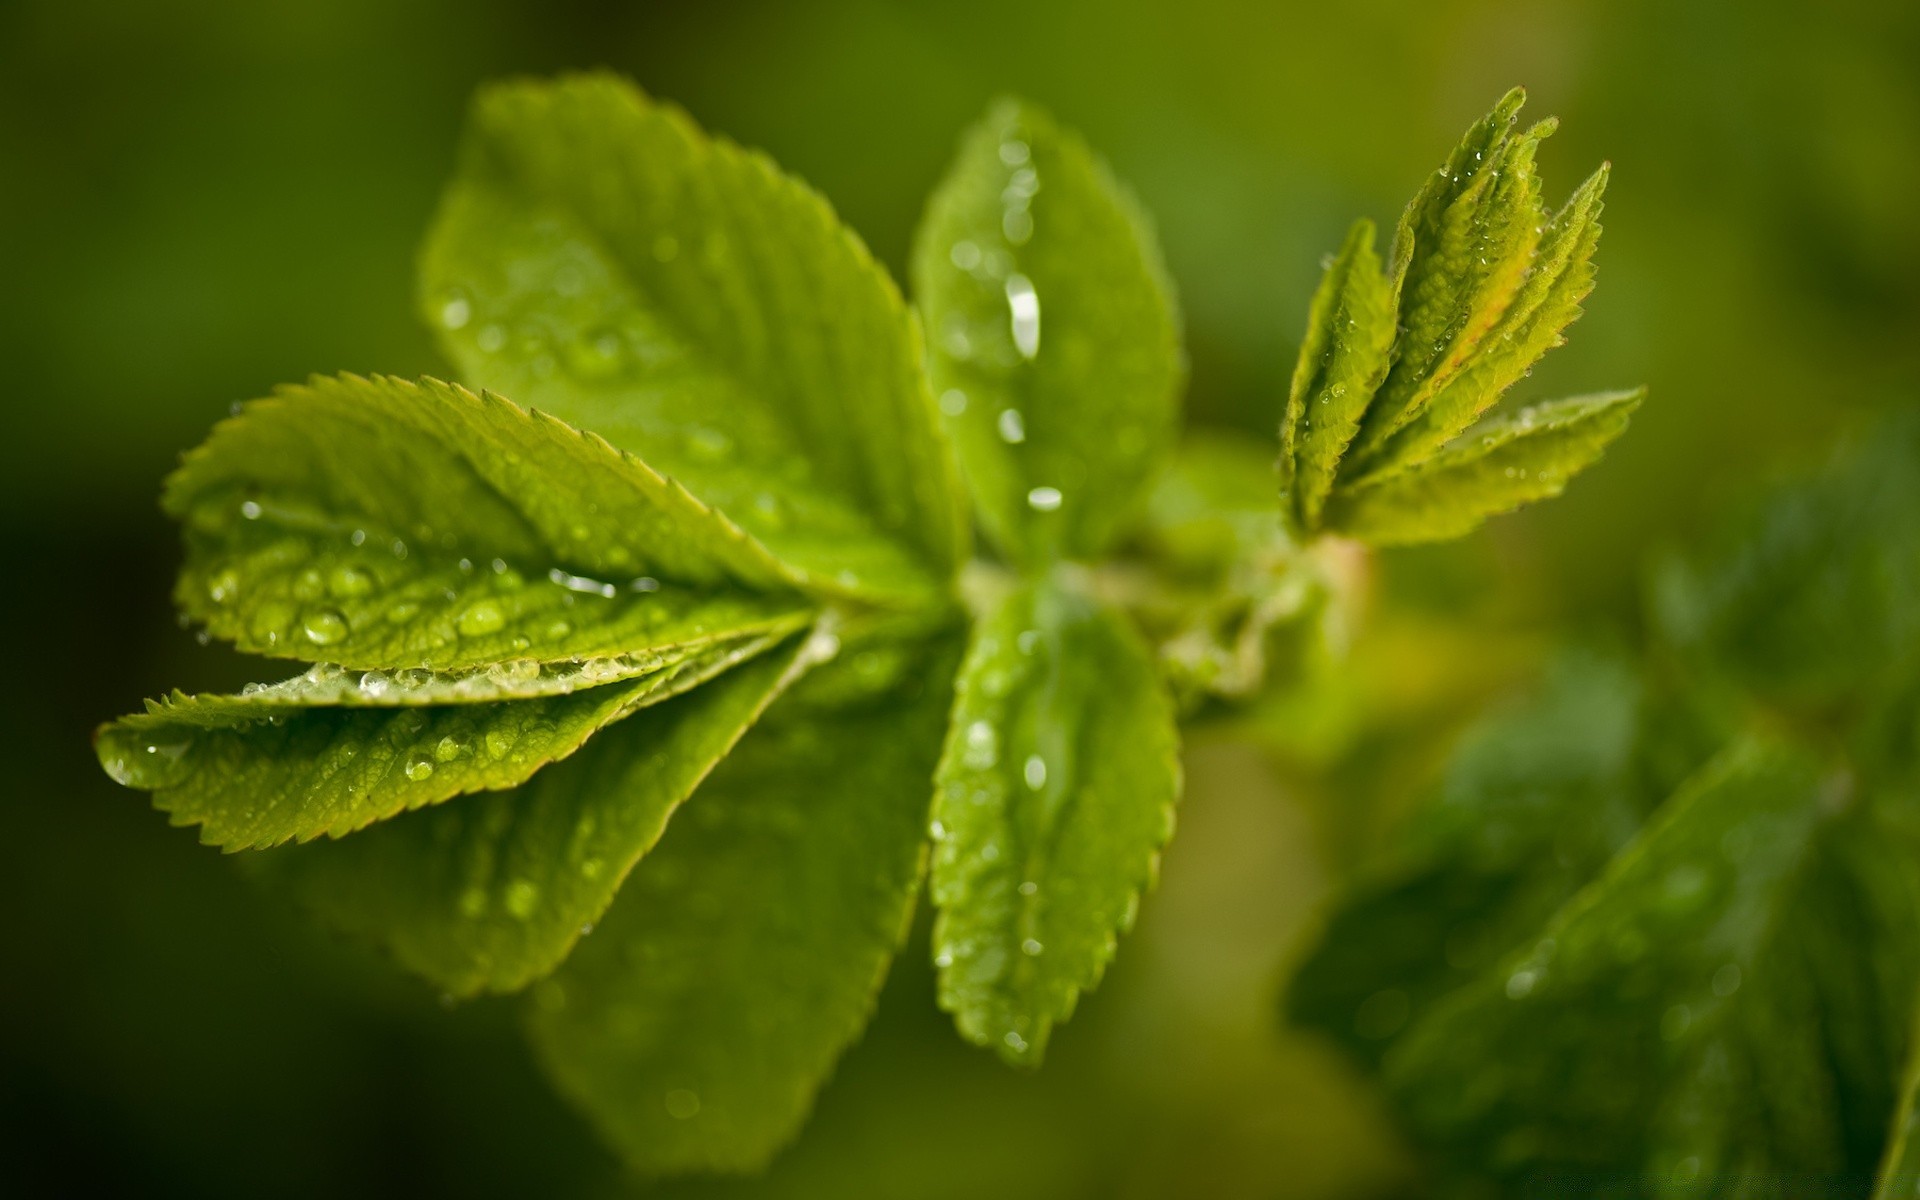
(600, 257)
(1057, 788)
(254, 771)
(1055, 345)
(491, 891)
(1501, 465)
(385, 523)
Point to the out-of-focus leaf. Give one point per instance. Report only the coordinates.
(492, 891)
(601, 257)
(255, 771)
(385, 523)
(744, 952)
(1695, 1013)
(1057, 788)
(1502, 465)
(1343, 360)
(1813, 601)
(1533, 805)
(1055, 348)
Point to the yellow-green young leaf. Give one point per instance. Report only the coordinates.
(1057, 788)
(1494, 469)
(1462, 251)
(1343, 360)
(602, 258)
(257, 772)
(490, 892)
(744, 952)
(1548, 301)
(1055, 346)
(383, 523)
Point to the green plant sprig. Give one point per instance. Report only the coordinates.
(729, 556)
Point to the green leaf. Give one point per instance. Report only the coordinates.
(257, 770)
(1534, 804)
(1463, 249)
(601, 257)
(1808, 601)
(1900, 1169)
(492, 892)
(1343, 360)
(1056, 349)
(1500, 466)
(745, 951)
(1056, 794)
(383, 523)
(1558, 279)
(1690, 1014)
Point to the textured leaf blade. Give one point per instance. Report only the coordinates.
(1462, 249)
(1559, 278)
(492, 892)
(1057, 788)
(744, 953)
(1502, 465)
(255, 775)
(602, 257)
(384, 523)
(1055, 344)
(1343, 360)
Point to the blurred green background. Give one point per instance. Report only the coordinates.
(200, 200)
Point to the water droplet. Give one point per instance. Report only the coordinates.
(522, 896)
(358, 537)
(480, 618)
(148, 763)
(456, 311)
(1520, 984)
(347, 583)
(983, 746)
(1031, 948)
(224, 587)
(1024, 304)
(1015, 1042)
(450, 747)
(953, 402)
(375, 685)
(1044, 499)
(1035, 772)
(1015, 152)
(1029, 888)
(251, 510)
(1726, 981)
(419, 769)
(1017, 224)
(1028, 640)
(324, 626)
(965, 255)
(682, 1104)
(937, 831)
(499, 741)
(645, 583)
(1013, 427)
(491, 338)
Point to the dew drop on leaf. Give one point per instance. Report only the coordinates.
(324, 626)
